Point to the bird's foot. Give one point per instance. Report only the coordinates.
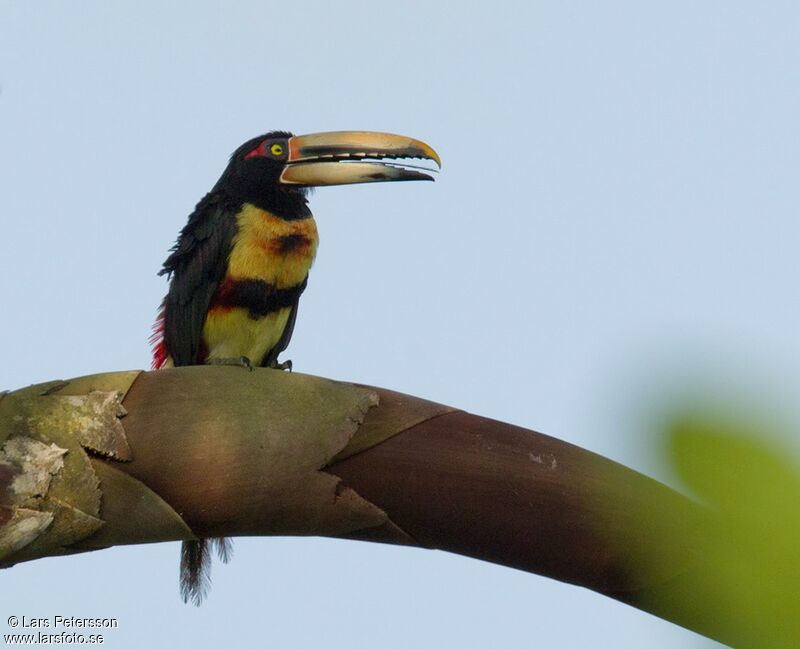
(286, 365)
(236, 361)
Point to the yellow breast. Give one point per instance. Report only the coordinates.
(233, 333)
(272, 249)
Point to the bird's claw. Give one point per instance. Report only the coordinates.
(286, 365)
(237, 361)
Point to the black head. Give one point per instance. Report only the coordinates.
(275, 170)
(253, 175)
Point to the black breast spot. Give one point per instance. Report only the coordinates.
(291, 243)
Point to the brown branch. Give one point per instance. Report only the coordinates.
(214, 451)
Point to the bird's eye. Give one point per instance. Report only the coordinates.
(276, 150)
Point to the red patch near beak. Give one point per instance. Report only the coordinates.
(260, 150)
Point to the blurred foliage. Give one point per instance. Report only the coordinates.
(749, 582)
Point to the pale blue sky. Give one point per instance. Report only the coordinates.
(616, 222)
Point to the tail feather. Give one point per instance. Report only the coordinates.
(224, 548)
(158, 343)
(196, 566)
(195, 571)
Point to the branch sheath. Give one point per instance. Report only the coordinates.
(138, 457)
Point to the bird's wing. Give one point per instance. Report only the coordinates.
(196, 266)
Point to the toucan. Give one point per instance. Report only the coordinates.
(241, 262)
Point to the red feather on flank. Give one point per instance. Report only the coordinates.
(160, 353)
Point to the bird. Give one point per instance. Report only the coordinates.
(241, 262)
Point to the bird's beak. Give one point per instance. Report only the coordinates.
(349, 157)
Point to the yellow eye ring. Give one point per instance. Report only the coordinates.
(276, 150)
